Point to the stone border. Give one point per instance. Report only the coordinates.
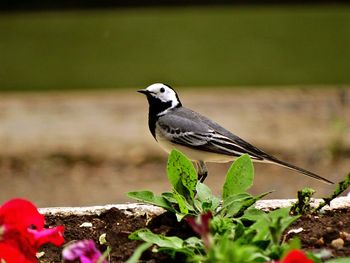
(130, 208)
(141, 209)
(337, 203)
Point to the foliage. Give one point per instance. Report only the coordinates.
(231, 230)
(303, 206)
(239, 177)
(190, 197)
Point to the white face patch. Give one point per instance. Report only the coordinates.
(164, 93)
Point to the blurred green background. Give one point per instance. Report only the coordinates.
(183, 46)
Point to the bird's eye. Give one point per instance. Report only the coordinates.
(162, 90)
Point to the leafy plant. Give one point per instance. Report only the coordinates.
(231, 229)
(191, 197)
(303, 205)
(183, 178)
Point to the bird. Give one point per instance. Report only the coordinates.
(202, 140)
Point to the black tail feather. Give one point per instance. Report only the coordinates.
(298, 169)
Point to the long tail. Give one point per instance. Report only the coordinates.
(298, 169)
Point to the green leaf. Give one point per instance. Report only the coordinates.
(138, 253)
(194, 242)
(150, 198)
(160, 240)
(236, 205)
(253, 214)
(181, 202)
(182, 174)
(239, 177)
(227, 250)
(203, 192)
(135, 235)
(221, 225)
(271, 225)
(206, 198)
(233, 203)
(169, 245)
(169, 197)
(248, 204)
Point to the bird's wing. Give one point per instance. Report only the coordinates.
(192, 132)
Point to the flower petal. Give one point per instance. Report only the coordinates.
(296, 256)
(10, 254)
(200, 225)
(21, 213)
(51, 235)
(84, 250)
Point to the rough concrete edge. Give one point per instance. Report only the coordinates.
(130, 208)
(137, 208)
(337, 203)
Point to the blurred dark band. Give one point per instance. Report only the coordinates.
(23, 5)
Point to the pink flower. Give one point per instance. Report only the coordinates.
(84, 250)
(22, 232)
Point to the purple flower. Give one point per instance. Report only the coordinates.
(84, 250)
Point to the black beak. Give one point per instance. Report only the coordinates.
(143, 91)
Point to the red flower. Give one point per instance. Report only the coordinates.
(22, 232)
(295, 256)
(21, 213)
(10, 254)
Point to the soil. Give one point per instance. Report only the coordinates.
(318, 232)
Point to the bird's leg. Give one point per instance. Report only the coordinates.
(202, 171)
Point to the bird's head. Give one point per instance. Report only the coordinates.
(162, 96)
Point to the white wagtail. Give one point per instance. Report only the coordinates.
(199, 138)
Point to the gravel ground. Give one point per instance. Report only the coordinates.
(89, 148)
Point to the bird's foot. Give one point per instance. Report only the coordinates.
(202, 171)
(201, 177)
